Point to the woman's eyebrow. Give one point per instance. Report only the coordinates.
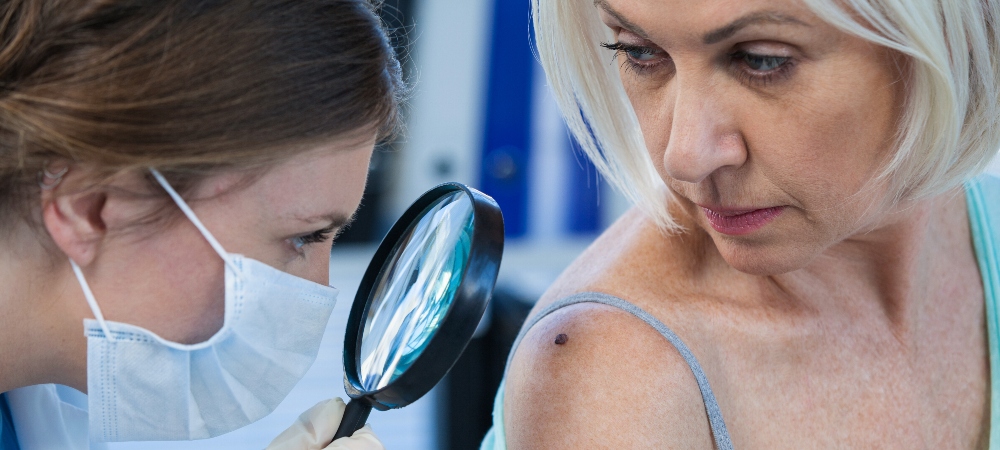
(714, 36)
(722, 33)
(625, 23)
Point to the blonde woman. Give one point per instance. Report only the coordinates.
(814, 259)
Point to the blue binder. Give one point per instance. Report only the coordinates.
(507, 131)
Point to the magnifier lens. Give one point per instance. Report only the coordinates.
(415, 290)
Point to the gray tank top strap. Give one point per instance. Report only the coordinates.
(715, 422)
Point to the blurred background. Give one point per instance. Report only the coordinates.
(480, 114)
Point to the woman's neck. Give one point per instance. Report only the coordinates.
(899, 265)
(41, 312)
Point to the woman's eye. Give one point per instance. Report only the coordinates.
(641, 54)
(639, 57)
(762, 63)
(760, 70)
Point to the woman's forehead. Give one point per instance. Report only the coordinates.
(706, 21)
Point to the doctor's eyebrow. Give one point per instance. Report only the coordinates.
(714, 36)
(336, 220)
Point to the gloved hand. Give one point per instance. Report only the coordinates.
(315, 427)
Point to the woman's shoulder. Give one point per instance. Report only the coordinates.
(636, 261)
(632, 256)
(590, 375)
(600, 371)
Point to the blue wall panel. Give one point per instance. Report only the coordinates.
(584, 190)
(507, 129)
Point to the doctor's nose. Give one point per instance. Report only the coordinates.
(702, 138)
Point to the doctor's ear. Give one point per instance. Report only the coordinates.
(82, 208)
(74, 218)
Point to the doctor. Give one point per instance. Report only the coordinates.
(173, 174)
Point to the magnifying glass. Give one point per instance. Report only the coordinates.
(420, 300)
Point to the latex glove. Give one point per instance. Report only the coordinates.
(315, 427)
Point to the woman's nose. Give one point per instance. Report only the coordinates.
(703, 137)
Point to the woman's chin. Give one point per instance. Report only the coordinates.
(765, 259)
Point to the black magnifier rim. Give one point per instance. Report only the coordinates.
(463, 316)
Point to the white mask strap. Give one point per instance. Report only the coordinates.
(193, 218)
(90, 300)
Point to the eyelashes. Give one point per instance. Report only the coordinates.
(312, 238)
(749, 68)
(638, 58)
(760, 70)
(628, 49)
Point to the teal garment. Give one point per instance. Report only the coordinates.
(494, 440)
(8, 438)
(983, 200)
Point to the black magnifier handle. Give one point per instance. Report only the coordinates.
(355, 415)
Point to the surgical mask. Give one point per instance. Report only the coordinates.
(144, 387)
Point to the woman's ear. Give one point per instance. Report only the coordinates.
(75, 221)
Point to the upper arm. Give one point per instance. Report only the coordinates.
(614, 383)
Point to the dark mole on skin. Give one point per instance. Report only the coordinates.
(561, 339)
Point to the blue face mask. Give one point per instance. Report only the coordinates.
(143, 387)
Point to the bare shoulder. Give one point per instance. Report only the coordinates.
(630, 259)
(592, 376)
(613, 381)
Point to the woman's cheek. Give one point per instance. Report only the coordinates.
(654, 116)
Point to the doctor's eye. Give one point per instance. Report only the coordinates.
(317, 236)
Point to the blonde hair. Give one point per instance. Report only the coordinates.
(948, 131)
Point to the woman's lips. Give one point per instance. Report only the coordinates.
(740, 221)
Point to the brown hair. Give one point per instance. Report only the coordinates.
(190, 87)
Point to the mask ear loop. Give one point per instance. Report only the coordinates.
(193, 218)
(190, 215)
(90, 300)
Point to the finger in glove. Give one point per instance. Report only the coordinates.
(363, 439)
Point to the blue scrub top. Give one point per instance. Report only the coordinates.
(8, 439)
